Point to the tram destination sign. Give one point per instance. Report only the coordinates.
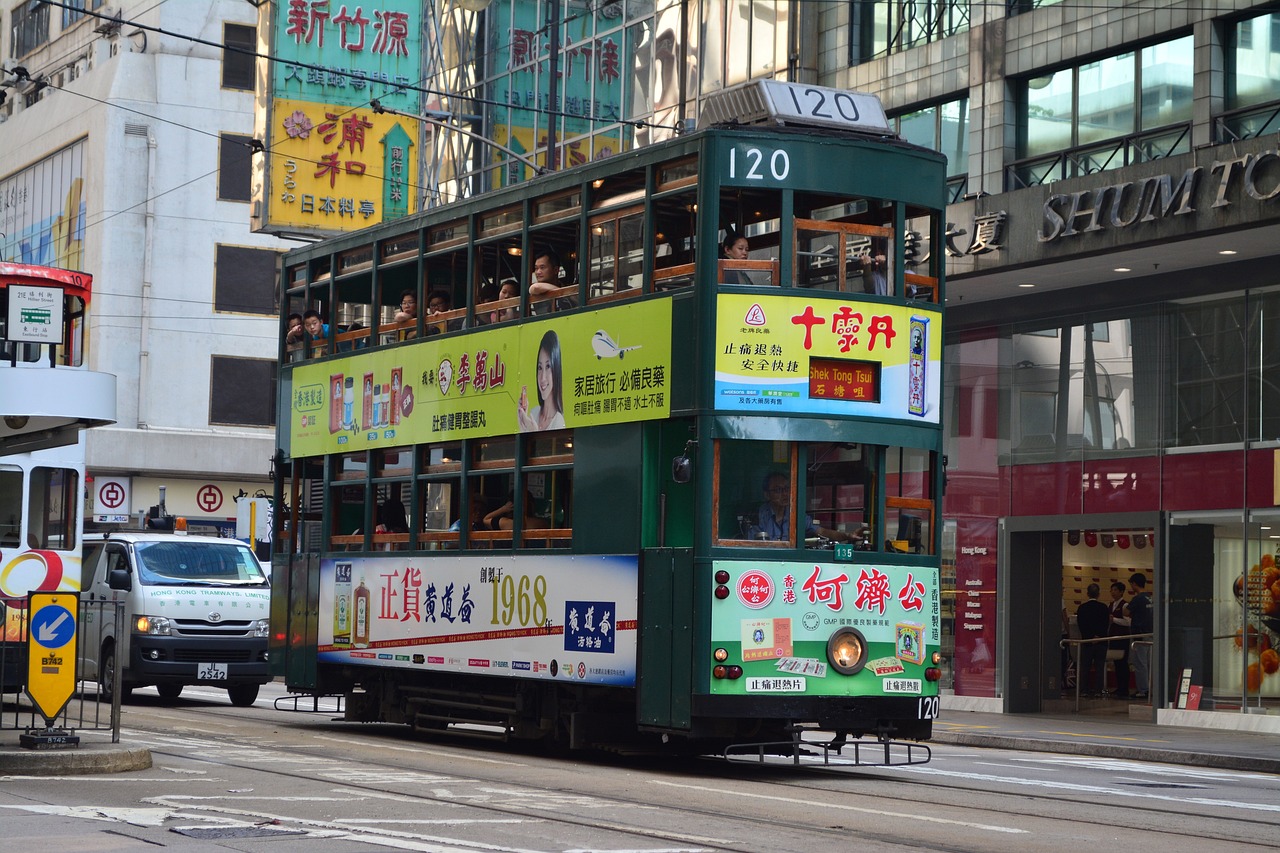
(35, 314)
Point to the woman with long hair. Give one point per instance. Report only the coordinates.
(549, 413)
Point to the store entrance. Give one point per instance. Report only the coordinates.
(1047, 577)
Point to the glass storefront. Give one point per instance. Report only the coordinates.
(1168, 411)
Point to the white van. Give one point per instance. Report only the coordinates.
(196, 611)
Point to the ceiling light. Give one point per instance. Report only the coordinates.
(1123, 269)
(1026, 285)
(1227, 252)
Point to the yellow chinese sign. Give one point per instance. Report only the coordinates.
(607, 366)
(336, 168)
(787, 354)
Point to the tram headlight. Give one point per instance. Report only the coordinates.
(847, 650)
(722, 576)
(937, 658)
(721, 655)
(719, 670)
(722, 592)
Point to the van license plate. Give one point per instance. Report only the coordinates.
(213, 672)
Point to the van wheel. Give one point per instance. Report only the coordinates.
(169, 692)
(242, 695)
(110, 672)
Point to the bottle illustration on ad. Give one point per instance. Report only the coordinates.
(360, 638)
(342, 604)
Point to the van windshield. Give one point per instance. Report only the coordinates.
(198, 563)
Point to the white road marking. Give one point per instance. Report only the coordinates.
(914, 816)
(1180, 798)
(452, 756)
(438, 822)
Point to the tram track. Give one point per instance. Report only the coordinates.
(899, 796)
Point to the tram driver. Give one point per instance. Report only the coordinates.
(773, 521)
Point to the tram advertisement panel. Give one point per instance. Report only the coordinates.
(606, 366)
(556, 617)
(779, 616)
(789, 354)
(23, 571)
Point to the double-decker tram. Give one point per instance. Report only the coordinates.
(647, 450)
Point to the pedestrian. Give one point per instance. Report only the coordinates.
(1093, 618)
(1141, 621)
(1118, 650)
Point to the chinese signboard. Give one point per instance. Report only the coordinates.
(568, 618)
(607, 366)
(336, 164)
(589, 86)
(791, 354)
(781, 615)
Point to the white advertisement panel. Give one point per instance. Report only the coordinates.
(554, 617)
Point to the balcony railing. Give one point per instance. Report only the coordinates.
(1099, 157)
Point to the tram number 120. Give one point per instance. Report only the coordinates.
(928, 708)
(754, 164)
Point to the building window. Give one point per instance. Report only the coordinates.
(29, 27)
(943, 127)
(234, 166)
(1252, 86)
(238, 60)
(893, 26)
(1105, 114)
(72, 12)
(244, 280)
(242, 391)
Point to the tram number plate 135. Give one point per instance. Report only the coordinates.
(928, 708)
(212, 672)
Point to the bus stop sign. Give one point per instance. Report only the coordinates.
(51, 650)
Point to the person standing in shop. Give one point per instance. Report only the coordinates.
(1093, 618)
(1140, 622)
(1119, 627)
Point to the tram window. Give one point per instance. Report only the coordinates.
(393, 462)
(442, 457)
(557, 206)
(840, 497)
(909, 508)
(843, 256)
(753, 482)
(678, 174)
(440, 504)
(400, 248)
(492, 500)
(615, 261)
(548, 479)
(490, 452)
(496, 262)
(675, 220)
(350, 466)
(52, 507)
(10, 507)
(346, 516)
(625, 188)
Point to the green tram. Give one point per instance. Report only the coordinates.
(555, 503)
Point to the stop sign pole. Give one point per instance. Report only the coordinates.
(51, 664)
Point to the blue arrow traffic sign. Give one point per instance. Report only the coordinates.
(53, 627)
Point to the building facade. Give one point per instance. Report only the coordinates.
(127, 154)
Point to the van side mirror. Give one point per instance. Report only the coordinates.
(119, 579)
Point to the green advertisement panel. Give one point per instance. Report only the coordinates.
(600, 367)
(779, 616)
(797, 354)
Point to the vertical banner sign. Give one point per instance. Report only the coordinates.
(336, 164)
(51, 651)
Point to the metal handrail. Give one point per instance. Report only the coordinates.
(1067, 642)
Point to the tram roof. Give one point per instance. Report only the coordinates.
(551, 182)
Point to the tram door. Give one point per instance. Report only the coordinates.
(1032, 615)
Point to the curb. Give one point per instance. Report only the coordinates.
(1132, 753)
(56, 762)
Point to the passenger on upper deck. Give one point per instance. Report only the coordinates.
(440, 302)
(503, 518)
(316, 329)
(547, 270)
(549, 413)
(734, 247)
(408, 307)
(294, 331)
(510, 289)
(773, 521)
(874, 269)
